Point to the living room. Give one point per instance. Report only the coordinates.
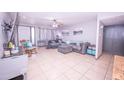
(55, 47)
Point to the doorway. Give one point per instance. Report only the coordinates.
(113, 39)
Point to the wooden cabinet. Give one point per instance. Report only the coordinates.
(118, 68)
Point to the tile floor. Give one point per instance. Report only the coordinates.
(49, 64)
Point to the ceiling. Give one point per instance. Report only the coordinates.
(45, 18)
(114, 20)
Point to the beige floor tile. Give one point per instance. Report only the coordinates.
(82, 67)
(52, 74)
(98, 69)
(72, 74)
(46, 67)
(84, 78)
(37, 77)
(102, 62)
(101, 65)
(62, 68)
(71, 63)
(32, 67)
(36, 74)
(92, 75)
(89, 58)
(62, 77)
(109, 72)
(51, 64)
(58, 63)
(108, 77)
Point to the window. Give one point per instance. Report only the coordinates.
(23, 33)
(32, 35)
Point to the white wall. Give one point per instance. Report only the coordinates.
(3, 17)
(108, 15)
(1, 36)
(99, 39)
(89, 32)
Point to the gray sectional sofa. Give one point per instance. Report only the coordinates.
(64, 48)
(79, 48)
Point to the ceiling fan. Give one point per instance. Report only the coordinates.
(56, 23)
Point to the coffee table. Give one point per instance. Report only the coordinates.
(30, 51)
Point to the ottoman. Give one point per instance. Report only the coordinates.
(65, 49)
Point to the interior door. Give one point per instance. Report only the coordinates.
(113, 40)
(118, 39)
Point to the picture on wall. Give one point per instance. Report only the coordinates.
(65, 33)
(77, 32)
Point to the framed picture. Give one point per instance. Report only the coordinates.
(77, 32)
(65, 33)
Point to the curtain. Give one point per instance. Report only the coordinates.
(46, 34)
(42, 34)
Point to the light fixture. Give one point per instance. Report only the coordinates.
(55, 24)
